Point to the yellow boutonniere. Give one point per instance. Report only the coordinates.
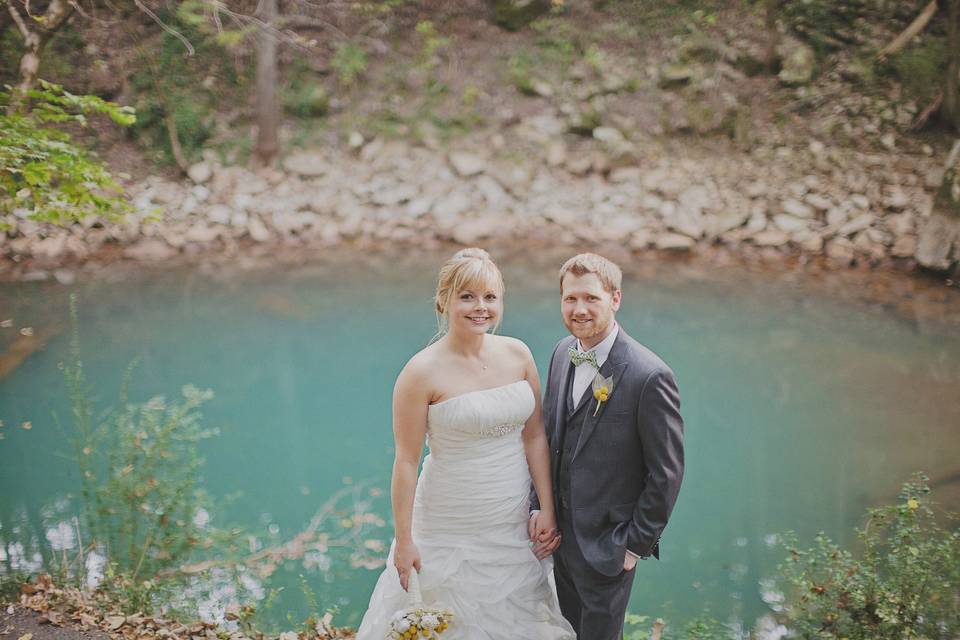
(602, 388)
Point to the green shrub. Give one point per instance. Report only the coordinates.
(903, 583)
(350, 62)
(139, 466)
(920, 69)
(43, 169)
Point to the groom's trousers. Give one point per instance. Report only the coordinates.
(593, 603)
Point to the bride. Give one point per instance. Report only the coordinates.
(462, 525)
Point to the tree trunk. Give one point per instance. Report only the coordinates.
(951, 97)
(36, 32)
(773, 37)
(268, 113)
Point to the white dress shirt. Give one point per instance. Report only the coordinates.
(584, 373)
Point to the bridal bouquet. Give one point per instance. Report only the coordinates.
(418, 621)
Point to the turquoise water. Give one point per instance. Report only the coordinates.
(801, 410)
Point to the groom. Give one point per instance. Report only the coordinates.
(617, 463)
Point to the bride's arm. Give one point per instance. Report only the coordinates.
(537, 449)
(411, 398)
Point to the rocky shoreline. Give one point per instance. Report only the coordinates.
(529, 184)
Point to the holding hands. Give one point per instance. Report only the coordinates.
(542, 528)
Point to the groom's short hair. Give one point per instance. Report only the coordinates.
(611, 277)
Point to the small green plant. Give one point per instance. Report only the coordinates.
(350, 62)
(42, 169)
(902, 584)
(139, 466)
(520, 71)
(431, 42)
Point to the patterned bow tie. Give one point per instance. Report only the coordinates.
(579, 357)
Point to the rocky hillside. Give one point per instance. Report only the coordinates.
(656, 131)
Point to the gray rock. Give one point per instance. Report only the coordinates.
(306, 163)
(860, 201)
(556, 153)
(840, 250)
(467, 164)
(770, 238)
(673, 242)
(200, 172)
(626, 174)
(202, 234)
(789, 224)
(392, 196)
(239, 219)
(257, 230)
(797, 209)
(888, 141)
(66, 277)
(355, 140)
(419, 206)
(452, 205)
(896, 200)
(494, 194)
(50, 248)
(933, 178)
(904, 247)
(150, 250)
(675, 74)
(818, 202)
(470, 231)
(220, 214)
(836, 216)
(861, 222)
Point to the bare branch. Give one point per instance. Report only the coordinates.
(915, 27)
(176, 34)
(21, 25)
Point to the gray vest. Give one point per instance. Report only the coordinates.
(572, 426)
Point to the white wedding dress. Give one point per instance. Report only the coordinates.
(470, 525)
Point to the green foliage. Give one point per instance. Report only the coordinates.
(904, 584)
(703, 627)
(350, 62)
(172, 86)
(431, 42)
(520, 68)
(139, 467)
(43, 169)
(920, 68)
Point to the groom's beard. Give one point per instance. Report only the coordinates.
(590, 330)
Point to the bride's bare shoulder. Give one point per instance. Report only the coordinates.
(514, 347)
(421, 367)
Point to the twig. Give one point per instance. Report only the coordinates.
(913, 29)
(930, 109)
(176, 34)
(24, 31)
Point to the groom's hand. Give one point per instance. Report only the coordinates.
(629, 561)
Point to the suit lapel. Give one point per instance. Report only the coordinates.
(614, 366)
(560, 415)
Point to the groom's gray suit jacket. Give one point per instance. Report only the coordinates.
(623, 473)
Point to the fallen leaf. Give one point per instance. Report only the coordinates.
(115, 622)
(26, 636)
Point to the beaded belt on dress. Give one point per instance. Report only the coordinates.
(500, 430)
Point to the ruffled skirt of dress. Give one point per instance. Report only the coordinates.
(470, 526)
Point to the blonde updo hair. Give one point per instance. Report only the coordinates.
(468, 268)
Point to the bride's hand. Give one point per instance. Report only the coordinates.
(545, 536)
(406, 556)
